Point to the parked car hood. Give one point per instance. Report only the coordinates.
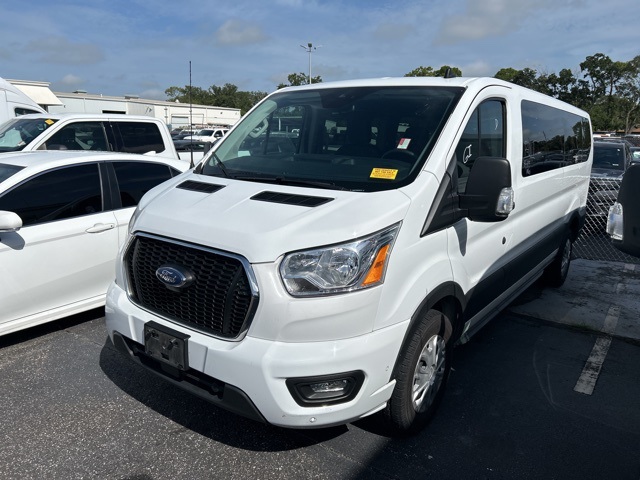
(606, 173)
(231, 219)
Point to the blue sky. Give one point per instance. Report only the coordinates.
(142, 47)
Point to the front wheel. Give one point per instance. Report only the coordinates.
(421, 375)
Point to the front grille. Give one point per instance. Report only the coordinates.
(219, 301)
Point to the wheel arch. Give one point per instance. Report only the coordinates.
(447, 298)
(575, 224)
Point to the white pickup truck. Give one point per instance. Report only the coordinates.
(97, 132)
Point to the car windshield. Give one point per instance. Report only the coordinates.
(7, 170)
(19, 132)
(356, 138)
(608, 156)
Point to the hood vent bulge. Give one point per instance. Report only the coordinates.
(199, 186)
(290, 199)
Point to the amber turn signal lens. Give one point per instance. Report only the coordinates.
(377, 269)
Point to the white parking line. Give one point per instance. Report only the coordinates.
(587, 381)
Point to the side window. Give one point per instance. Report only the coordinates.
(137, 178)
(23, 111)
(552, 138)
(483, 136)
(79, 136)
(56, 195)
(140, 137)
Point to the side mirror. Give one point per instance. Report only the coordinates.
(9, 222)
(488, 196)
(623, 224)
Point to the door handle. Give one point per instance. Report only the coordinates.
(100, 227)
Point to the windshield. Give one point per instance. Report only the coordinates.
(356, 138)
(7, 170)
(19, 132)
(608, 156)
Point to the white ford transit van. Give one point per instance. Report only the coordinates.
(321, 262)
(13, 102)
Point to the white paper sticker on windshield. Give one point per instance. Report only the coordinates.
(403, 144)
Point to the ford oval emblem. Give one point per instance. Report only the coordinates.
(174, 276)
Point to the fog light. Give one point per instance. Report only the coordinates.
(326, 389)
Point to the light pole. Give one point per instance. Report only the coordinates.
(309, 48)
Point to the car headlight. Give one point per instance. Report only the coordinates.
(339, 268)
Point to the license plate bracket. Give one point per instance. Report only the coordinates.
(166, 345)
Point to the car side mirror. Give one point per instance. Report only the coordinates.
(488, 196)
(623, 224)
(9, 222)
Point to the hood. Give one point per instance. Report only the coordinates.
(606, 173)
(261, 221)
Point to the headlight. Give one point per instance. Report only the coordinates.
(339, 268)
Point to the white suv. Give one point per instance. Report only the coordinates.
(208, 134)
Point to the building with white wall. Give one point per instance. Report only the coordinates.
(174, 114)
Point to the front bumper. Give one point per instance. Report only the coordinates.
(249, 377)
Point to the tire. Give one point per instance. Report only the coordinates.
(421, 374)
(556, 273)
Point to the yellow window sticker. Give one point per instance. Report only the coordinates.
(386, 173)
(49, 122)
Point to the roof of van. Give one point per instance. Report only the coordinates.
(466, 82)
(474, 84)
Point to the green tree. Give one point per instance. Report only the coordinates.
(227, 96)
(188, 94)
(430, 72)
(608, 90)
(527, 77)
(297, 79)
(629, 91)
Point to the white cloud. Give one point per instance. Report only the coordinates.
(238, 32)
(478, 68)
(59, 50)
(487, 18)
(68, 83)
(393, 31)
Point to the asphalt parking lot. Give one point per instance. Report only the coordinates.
(72, 407)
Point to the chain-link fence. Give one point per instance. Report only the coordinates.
(593, 242)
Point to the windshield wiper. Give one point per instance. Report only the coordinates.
(289, 181)
(219, 164)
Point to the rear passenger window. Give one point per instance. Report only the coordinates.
(140, 137)
(552, 138)
(483, 136)
(137, 178)
(56, 195)
(79, 136)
